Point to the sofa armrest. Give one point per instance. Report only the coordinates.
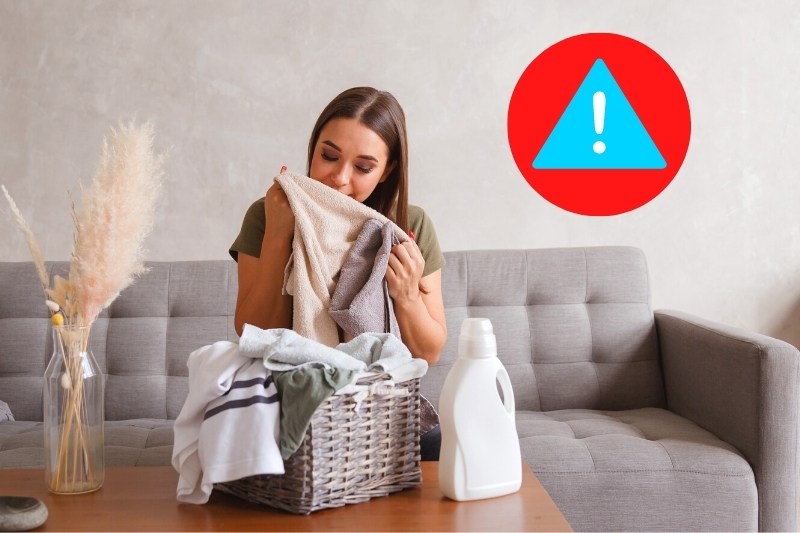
(743, 387)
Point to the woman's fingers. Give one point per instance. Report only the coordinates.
(404, 270)
(405, 257)
(276, 194)
(278, 212)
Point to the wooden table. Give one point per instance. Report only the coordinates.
(143, 499)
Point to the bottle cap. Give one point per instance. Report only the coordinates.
(477, 339)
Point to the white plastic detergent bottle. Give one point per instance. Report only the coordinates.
(480, 455)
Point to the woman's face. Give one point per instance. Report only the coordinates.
(350, 158)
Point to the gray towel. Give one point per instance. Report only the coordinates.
(360, 302)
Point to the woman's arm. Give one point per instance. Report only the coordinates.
(420, 313)
(260, 300)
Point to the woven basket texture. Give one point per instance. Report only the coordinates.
(346, 456)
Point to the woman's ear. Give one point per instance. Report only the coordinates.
(388, 170)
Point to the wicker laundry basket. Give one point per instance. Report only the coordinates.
(357, 447)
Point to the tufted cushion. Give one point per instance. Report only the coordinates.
(142, 341)
(635, 460)
(574, 326)
(649, 439)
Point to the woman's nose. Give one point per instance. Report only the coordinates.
(340, 177)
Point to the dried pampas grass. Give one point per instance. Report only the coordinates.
(33, 245)
(116, 214)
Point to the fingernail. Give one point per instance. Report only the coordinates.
(411, 234)
(283, 169)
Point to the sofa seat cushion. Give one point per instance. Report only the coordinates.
(646, 462)
(138, 442)
(21, 445)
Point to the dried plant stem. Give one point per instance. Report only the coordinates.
(73, 470)
(33, 244)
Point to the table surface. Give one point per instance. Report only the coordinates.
(143, 499)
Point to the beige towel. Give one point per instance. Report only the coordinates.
(327, 223)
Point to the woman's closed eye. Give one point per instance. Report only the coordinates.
(364, 169)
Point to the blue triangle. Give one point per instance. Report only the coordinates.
(571, 144)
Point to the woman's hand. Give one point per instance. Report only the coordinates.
(280, 218)
(417, 301)
(404, 272)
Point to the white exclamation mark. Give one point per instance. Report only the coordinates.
(599, 105)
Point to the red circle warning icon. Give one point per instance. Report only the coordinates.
(599, 124)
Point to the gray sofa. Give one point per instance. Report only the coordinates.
(632, 420)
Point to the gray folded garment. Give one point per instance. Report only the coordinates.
(284, 350)
(360, 302)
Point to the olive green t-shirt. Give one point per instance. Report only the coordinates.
(252, 233)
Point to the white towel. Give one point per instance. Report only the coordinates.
(327, 223)
(228, 426)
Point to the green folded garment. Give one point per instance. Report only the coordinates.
(301, 392)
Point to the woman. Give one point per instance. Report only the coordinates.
(358, 147)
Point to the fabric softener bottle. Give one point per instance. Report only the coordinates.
(480, 455)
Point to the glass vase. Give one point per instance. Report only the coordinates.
(73, 414)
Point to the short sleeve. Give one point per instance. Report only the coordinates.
(252, 233)
(425, 236)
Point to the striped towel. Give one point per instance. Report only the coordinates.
(228, 428)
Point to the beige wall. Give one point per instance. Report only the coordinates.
(234, 88)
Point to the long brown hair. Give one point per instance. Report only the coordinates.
(380, 112)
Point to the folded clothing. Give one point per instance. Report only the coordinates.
(301, 392)
(284, 349)
(307, 372)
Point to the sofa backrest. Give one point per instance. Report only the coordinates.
(574, 328)
(142, 341)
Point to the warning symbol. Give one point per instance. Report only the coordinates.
(599, 124)
(599, 129)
